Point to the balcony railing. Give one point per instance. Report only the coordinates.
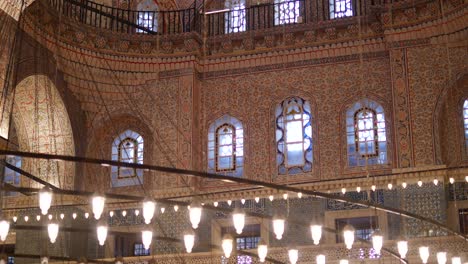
(234, 20)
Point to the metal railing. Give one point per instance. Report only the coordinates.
(236, 19)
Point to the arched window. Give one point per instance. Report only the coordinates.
(226, 147)
(287, 12)
(12, 177)
(341, 8)
(366, 134)
(294, 136)
(127, 147)
(465, 122)
(147, 16)
(235, 18)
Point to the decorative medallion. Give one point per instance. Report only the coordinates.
(145, 47)
(100, 42)
(270, 41)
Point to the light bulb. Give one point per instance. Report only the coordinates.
(257, 199)
(344, 261)
(293, 255)
(101, 234)
(262, 249)
(86, 215)
(50, 217)
(320, 259)
(441, 257)
(402, 248)
(299, 195)
(146, 238)
(4, 228)
(149, 206)
(420, 183)
(74, 215)
(377, 241)
(44, 260)
(358, 189)
(189, 241)
(238, 219)
(404, 184)
(424, 254)
(390, 186)
(98, 206)
(436, 181)
(226, 244)
(343, 190)
(229, 202)
(62, 216)
(195, 213)
(124, 213)
(215, 204)
(137, 212)
(452, 180)
(163, 209)
(38, 217)
(278, 227)
(456, 260)
(243, 201)
(26, 218)
(348, 235)
(466, 178)
(373, 188)
(52, 230)
(285, 196)
(271, 198)
(45, 199)
(316, 231)
(15, 219)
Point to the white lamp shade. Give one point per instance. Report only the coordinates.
(227, 244)
(189, 241)
(278, 227)
(320, 259)
(149, 207)
(262, 252)
(52, 230)
(316, 231)
(45, 199)
(257, 199)
(402, 246)
(102, 234)
(195, 213)
(441, 257)
(4, 229)
(146, 238)
(238, 219)
(44, 260)
(377, 241)
(424, 254)
(293, 255)
(456, 260)
(98, 206)
(344, 261)
(348, 235)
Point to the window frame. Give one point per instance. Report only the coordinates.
(150, 24)
(280, 18)
(464, 122)
(332, 7)
(236, 11)
(145, 252)
(117, 180)
(232, 145)
(374, 129)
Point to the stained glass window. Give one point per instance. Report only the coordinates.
(366, 134)
(147, 16)
(139, 250)
(226, 146)
(287, 12)
(127, 147)
(12, 177)
(235, 18)
(465, 122)
(294, 136)
(341, 8)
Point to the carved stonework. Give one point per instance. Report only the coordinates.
(226, 46)
(190, 45)
(100, 42)
(386, 18)
(123, 46)
(377, 27)
(331, 33)
(310, 36)
(248, 44)
(167, 46)
(269, 41)
(145, 47)
(411, 14)
(79, 36)
(401, 108)
(289, 39)
(353, 30)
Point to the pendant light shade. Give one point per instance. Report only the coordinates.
(278, 227)
(227, 244)
(238, 219)
(98, 206)
(344, 261)
(424, 254)
(257, 199)
(348, 235)
(102, 234)
(52, 230)
(189, 240)
(420, 183)
(44, 260)
(441, 257)
(149, 207)
(45, 199)
(146, 238)
(195, 212)
(320, 259)
(4, 229)
(404, 185)
(316, 231)
(262, 249)
(402, 246)
(377, 241)
(293, 255)
(451, 180)
(456, 260)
